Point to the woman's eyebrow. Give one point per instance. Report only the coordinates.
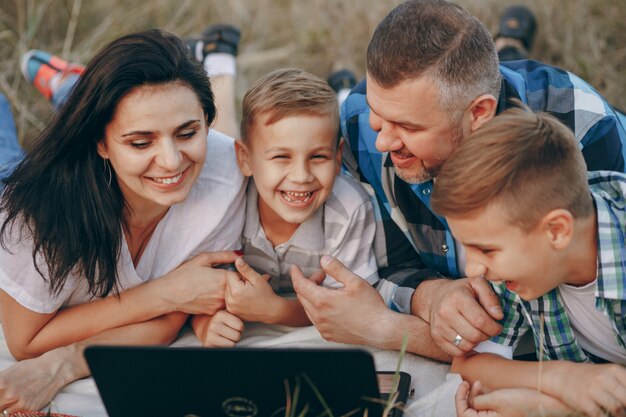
(148, 132)
(187, 124)
(137, 133)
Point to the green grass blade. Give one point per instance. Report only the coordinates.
(318, 394)
(393, 394)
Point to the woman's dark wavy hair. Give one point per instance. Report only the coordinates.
(61, 194)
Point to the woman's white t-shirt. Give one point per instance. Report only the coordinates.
(210, 219)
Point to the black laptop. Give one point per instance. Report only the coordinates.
(240, 382)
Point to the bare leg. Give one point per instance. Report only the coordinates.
(217, 49)
(224, 91)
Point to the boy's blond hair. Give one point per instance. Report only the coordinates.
(530, 163)
(284, 93)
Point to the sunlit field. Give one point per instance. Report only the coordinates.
(587, 37)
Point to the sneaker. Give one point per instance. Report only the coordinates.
(342, 79)
(215, 38)
(46, 72)
(518, 22)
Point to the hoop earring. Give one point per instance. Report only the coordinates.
(107, 168)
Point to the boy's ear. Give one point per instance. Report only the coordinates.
(482, 109)
(558, 226)
(243, 157)
(338, 156)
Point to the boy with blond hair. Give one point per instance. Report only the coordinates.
(550, 238)
(298, 207)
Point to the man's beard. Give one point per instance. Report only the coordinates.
(425, 174)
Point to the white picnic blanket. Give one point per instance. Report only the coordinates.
(434, 388)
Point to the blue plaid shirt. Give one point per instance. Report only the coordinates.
(608, 190)
(412, 242)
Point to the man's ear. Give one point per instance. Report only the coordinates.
(482, 109)
(558, 228)
(243, 158)
(338, 156)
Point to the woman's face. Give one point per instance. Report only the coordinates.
(156, 145)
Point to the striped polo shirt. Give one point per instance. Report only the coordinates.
(342, 227)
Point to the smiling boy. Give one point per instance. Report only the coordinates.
(516, 195)
(299, 207)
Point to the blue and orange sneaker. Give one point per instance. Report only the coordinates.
(46, 71)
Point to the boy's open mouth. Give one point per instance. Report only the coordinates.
(296, 197)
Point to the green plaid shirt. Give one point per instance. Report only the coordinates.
(608, 190)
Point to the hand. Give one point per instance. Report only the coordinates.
(31, 384)
(195, 287)
(352, 314)
(220, 330)
(592, 389)
(467, 307)
(463, 398)
(513, 402)
(251, 297)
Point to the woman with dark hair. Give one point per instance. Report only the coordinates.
(123, 187)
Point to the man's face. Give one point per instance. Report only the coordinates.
(411, 126)
(525, 261)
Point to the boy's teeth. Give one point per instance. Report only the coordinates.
(170, 180)
(293, 196)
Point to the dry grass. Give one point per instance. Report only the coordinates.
(587, 37)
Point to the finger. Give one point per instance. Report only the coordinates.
(478, 319)
(450, 323)
(450, 349)
(233, 282)
(470, 336)
(216, 340)
(231, 320)
(214, 258)
(11, 407)
(338, 271)
(303, 287)
(608, 402)
(317, 277)
(620, 393)
(219, 328)
(309, 308)
(228, 332)
(487, 297)
(589, 407)
(474, 392)
(484, 402)
(248, 273)
(460, 399)
(620, 384)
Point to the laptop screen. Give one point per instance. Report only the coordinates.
(237, 382)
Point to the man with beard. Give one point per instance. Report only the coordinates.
(433, 78)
